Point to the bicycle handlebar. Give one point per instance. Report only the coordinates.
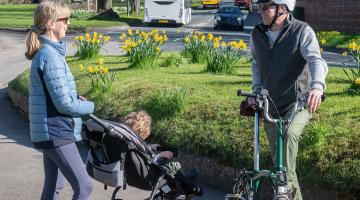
(246, 94)
(261, 98)
(262, 103)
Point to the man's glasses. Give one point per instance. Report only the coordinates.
(64, 19)
(266, 6)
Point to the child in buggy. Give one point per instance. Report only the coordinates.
(118, 156)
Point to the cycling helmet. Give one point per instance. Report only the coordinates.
(290, 4)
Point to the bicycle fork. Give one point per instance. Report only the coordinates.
(280, 169)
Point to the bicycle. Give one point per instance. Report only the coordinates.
(248, 184)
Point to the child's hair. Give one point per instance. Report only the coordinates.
(46, 11)
(140, 122)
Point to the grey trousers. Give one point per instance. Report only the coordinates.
(292, 133)
(65, 161)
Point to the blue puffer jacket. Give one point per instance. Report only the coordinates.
(54, 108)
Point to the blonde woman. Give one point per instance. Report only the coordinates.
(54, 106)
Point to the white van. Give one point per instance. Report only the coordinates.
(167, 11)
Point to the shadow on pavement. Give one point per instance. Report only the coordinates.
(13, 127)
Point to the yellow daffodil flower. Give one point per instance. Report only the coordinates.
(186, 40)
(323, 42)
(357, 81)
(100, 61)
(210, 36)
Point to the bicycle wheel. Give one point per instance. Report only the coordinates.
(242, 187)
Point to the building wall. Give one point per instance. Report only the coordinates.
(329, 15)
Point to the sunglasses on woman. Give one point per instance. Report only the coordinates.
(64, 19)
(266, 6)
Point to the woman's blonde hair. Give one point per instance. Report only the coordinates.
(140, 122)
(46, 11)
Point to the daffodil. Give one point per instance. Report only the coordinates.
(122, 36)
(323, 42)
(130, 31)
(106, 38)
(357, 81)
(90, 69)
(81, 67)
(100, 61)
(210, 36)
(186, 40)
(105, 70)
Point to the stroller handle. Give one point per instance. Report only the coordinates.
(108, 128)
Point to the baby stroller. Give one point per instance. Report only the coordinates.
(118, 157)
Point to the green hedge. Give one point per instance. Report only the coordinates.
(208, 122)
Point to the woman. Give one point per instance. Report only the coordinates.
(54, 107)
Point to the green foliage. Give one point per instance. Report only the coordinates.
(165, 103)
(143, 48)
(89, 47)
(353, 74)
(224, 59)
(21, 82)
(315, 137)
(335, 39)
(197, 46)
(21, 16)
(173, 60)
(101, 77)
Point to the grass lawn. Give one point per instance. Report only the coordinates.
(209, 123)
(21, 16)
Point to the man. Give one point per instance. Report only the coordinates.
(287, 62)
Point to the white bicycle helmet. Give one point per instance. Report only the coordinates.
(290, 4)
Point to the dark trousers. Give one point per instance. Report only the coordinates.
(65, 161)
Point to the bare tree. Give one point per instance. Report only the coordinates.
(135, 7)
(105, 7)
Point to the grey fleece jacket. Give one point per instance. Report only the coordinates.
(310, 50)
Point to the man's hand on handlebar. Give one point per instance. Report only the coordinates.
(314, 99)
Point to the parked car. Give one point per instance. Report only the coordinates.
(247, 4)
(210, 3)
(229, 17)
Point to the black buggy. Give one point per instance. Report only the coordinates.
(118, 157)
